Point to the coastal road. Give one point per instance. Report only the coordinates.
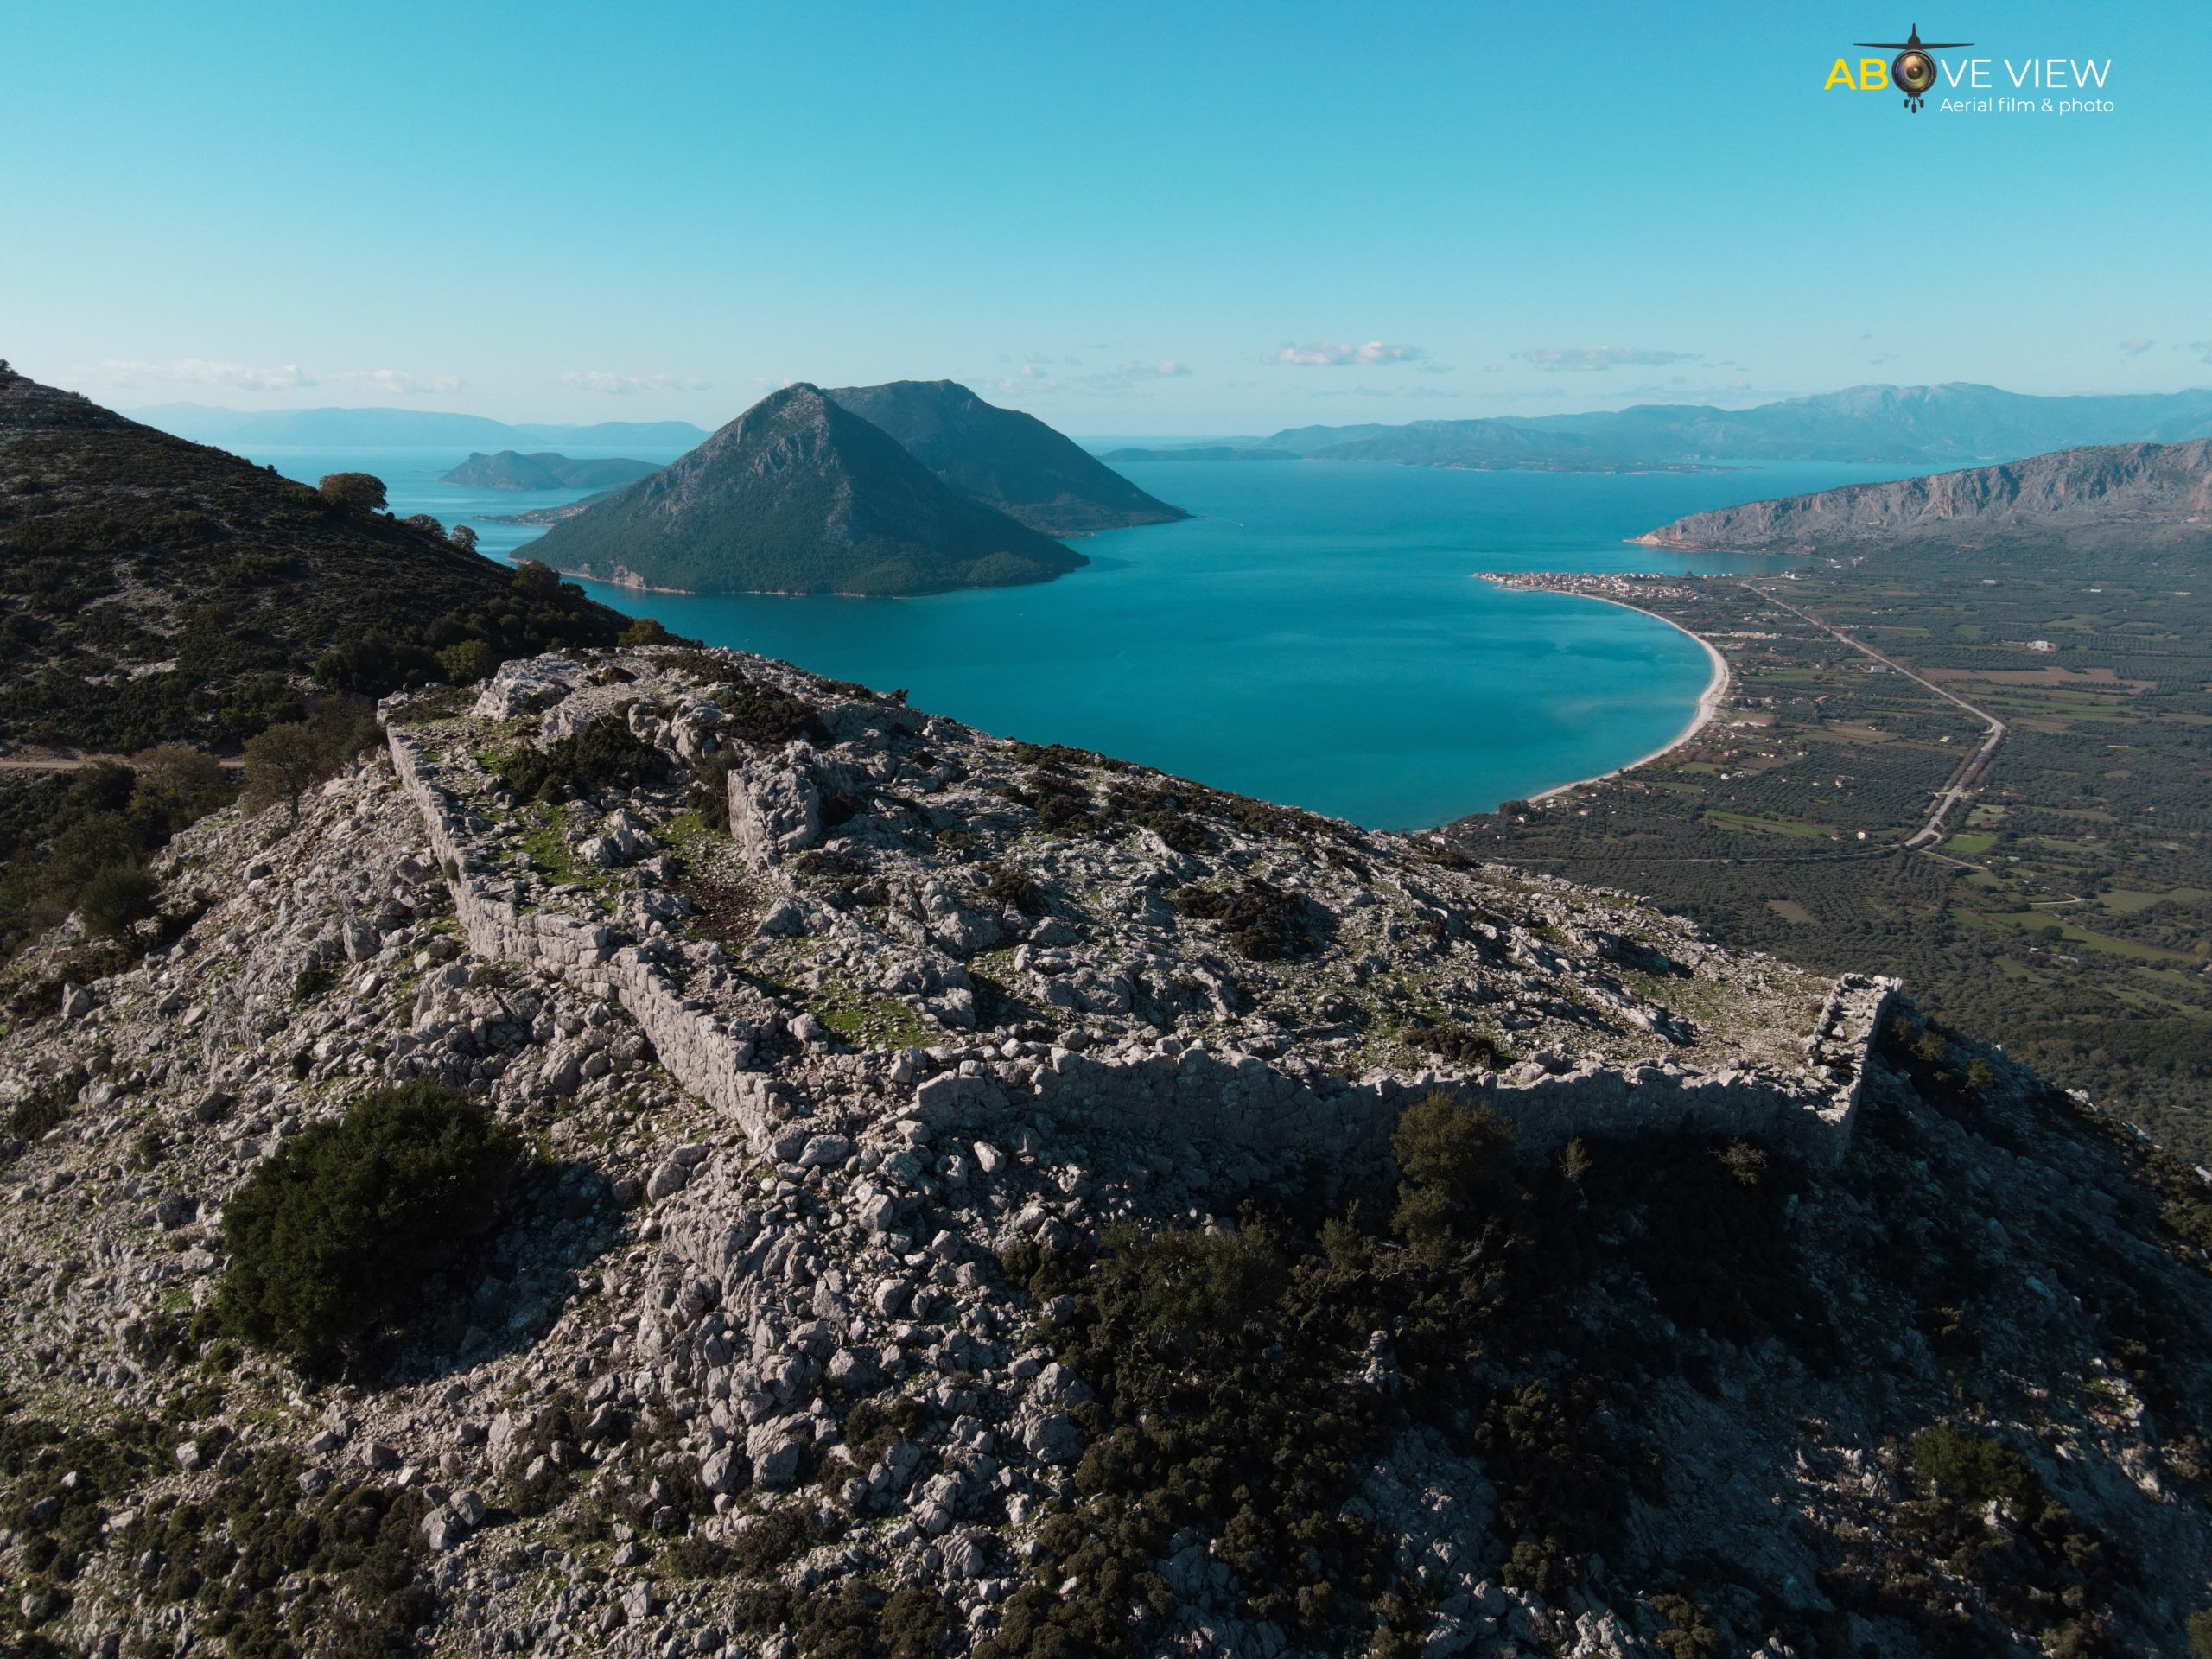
(1968, 773)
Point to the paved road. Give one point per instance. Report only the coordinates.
(1968, 773)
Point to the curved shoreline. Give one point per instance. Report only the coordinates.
(1708, 702)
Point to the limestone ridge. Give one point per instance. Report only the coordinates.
(1005, 459)
(1241, 1109)
(2134, 496)
(799, 495)
(841, 1107)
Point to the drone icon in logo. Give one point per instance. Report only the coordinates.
(1912, 69)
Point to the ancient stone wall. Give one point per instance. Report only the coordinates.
(1233, 1112)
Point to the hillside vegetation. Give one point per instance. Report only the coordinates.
(158, 589)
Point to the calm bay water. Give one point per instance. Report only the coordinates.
(1314, 637)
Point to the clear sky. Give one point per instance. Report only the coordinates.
(1128, 218)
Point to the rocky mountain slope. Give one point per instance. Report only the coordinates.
(1953, 421)
(991, 1199)
(545, 469)
(799, 495)
(2136, 494)
(158, 589)
(1004, 458)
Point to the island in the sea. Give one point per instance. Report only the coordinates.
(546, 470)
(800, 495)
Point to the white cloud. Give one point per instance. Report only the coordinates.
(1337, 354)
(2137, 346)
(1033, 378)
(2202, 348)
(399, 383)
(1586, 358)
(1132, 373)
(622, 385)
(198, 372)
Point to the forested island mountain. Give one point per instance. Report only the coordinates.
(400, 428)
(546, 470)
(2124, 499)
(1954, 422)
(799, 495)
(160, 589)
(1004, 458)
(804, 1176)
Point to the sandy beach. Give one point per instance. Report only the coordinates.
(1708, 702)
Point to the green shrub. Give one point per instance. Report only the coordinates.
(1006, 884)
(364, 491)
(281, 761)
(1177, 1286)
(1969, 1470)
(468, 662)
(1259, 919)
(1455, 1158)
(645, 631)
(2200, 1635)
(760, 712)
(605, 755)
(335, 1231)
(116, 897)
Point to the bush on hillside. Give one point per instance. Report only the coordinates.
(335, 1231)
(1259, 919)
(115, 898)
(361, 489)
(1456, 1159)
(605, 755)
(281, 761)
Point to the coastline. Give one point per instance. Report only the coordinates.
(1708, 702)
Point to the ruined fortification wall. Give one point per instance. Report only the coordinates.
(1231, 1111)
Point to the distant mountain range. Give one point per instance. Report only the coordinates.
(1201, 452)
(1004, 458)
(546, 470)
(1951, 423)
(402, 429)
(2117, 499)
(799, 495)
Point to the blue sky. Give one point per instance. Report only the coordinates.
(1128, 218)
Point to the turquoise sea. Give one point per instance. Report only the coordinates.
(1314, 637)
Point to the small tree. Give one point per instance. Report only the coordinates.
(468, 662)
(645, 631)
(281, 762)
(335, 1232)
(433, 527)
(362, 490)
(180, 783)
(115, 898)
(462, 538)
(534, 579)
(1454, 1158)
